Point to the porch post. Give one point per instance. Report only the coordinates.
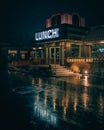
(47, 53)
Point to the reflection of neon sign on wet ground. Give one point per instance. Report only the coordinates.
(43, 113)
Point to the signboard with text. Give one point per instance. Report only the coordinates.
(61, 32)
(48, 34)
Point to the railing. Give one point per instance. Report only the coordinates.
(41, 61)
(36, 61)
(21, 63)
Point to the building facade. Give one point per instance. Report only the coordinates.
(62, 39)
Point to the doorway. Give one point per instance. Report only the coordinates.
(54, 55)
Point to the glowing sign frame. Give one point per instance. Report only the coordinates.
(49, 34)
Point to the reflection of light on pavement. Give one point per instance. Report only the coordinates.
(65, 102)
(45, 99)
(33, 81)
(54, 97)
(45, 114)
(37, 97)
(86, 81)
(101, 103)
(54, 104)
(40, 82)
(85, 100)
(75, 104)
(86, 77)
(64, 116)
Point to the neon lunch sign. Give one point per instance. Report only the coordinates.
(49, 34)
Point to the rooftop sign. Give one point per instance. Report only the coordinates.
(48, 34)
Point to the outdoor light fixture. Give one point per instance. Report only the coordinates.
(34, 48)
(86, 72)
(39, 47)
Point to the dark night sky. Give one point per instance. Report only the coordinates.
(20, 19)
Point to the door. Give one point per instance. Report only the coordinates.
(54, 55)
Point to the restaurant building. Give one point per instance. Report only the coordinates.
(65, 39)
(62, 39)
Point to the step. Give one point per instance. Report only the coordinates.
(61, 70)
